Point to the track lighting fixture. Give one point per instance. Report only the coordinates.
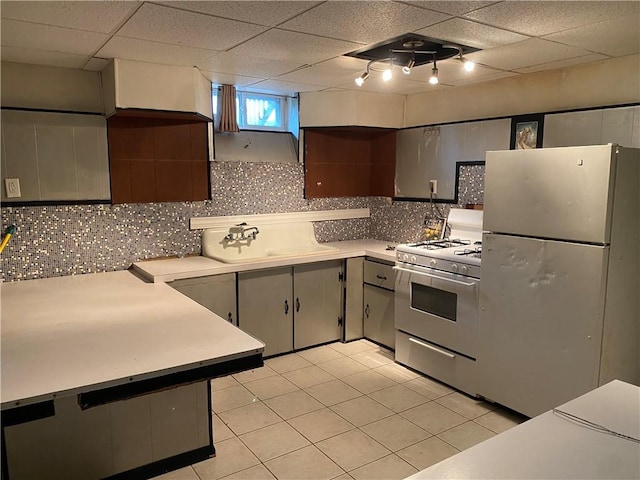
(414, 53)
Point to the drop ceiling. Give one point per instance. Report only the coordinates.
(299, 46)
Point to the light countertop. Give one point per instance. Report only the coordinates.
(552, 447)
(68, 335)
(190, 267)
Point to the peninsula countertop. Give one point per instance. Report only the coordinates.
(172, 269)
(68, 335)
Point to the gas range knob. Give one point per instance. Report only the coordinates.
(454, 267)
(464, 269)
(405, 257)
(433, 262)
(413, 259)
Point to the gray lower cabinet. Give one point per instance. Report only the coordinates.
(215, 292)
(379, 281)
(292, 307)
(265, 305)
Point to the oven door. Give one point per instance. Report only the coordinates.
(439, 307)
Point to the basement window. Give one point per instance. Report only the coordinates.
(260, 111)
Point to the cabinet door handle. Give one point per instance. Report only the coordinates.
(297, 304)
(286, 307)
(380, 277)
(366, 310)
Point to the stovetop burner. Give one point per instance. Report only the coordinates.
(475, 252)
(438, 244)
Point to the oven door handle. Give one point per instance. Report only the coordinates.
(464, 284)
(437, 350)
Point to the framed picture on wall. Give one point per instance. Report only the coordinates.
(526, 132)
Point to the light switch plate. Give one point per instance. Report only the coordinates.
(12, 186)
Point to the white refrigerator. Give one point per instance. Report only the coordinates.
(559, 290)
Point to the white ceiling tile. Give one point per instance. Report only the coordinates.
(241, 64)
(294, 47)
(542, 18)
(524, 54)
(102, 17)
(269, 13)
(169, 25)
(330, 73)
(96, 64)
(42, 57)
(615, 37)
(451, 72)
(288, 88)
(472, 34)
(594, 57)
(153, 52)
(363, 22)
(453, 7)
(398, 85)
(16, 33)
(230, 79)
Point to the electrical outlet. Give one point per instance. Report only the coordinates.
(433, 186)
(12, 186)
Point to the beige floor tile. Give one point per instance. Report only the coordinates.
(304, 464)
(433, 417)
(466, 435)
(320, 354)
(342, 367)
(273, 441)
(223, 382)
(255, 374)
(344, 476)
(466, 406)
(308, 376)
(368, 381)
(220, 430)
(186, 473)
(429, 388)
(398, 398)
(390, 467)
(293, 404)
(321, 424)
(374, 358)
(248, 418)
(270, 387)
(286, 363)
(354, 347)
(427, 453)
(500, 420)
(361, 411)
(352, 449)
(395, 432)
(396, 372)
(230, 398)
(259, 472)
(231, 456)
(333, 392)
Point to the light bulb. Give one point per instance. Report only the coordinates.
(386, 75)
(434, 76)
(406, 70)
(469, 65)
(360, 80)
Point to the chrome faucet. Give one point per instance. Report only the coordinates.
(241, 232)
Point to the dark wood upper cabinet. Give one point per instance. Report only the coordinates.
(158, 158)
(349, 162)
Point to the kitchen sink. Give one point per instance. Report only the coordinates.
(249, 243)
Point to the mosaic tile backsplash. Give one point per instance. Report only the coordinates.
(69, 240)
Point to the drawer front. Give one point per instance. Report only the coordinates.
(379, 274)
(437, 362)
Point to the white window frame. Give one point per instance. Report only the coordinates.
(241, 113)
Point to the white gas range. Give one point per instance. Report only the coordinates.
(437, 302)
